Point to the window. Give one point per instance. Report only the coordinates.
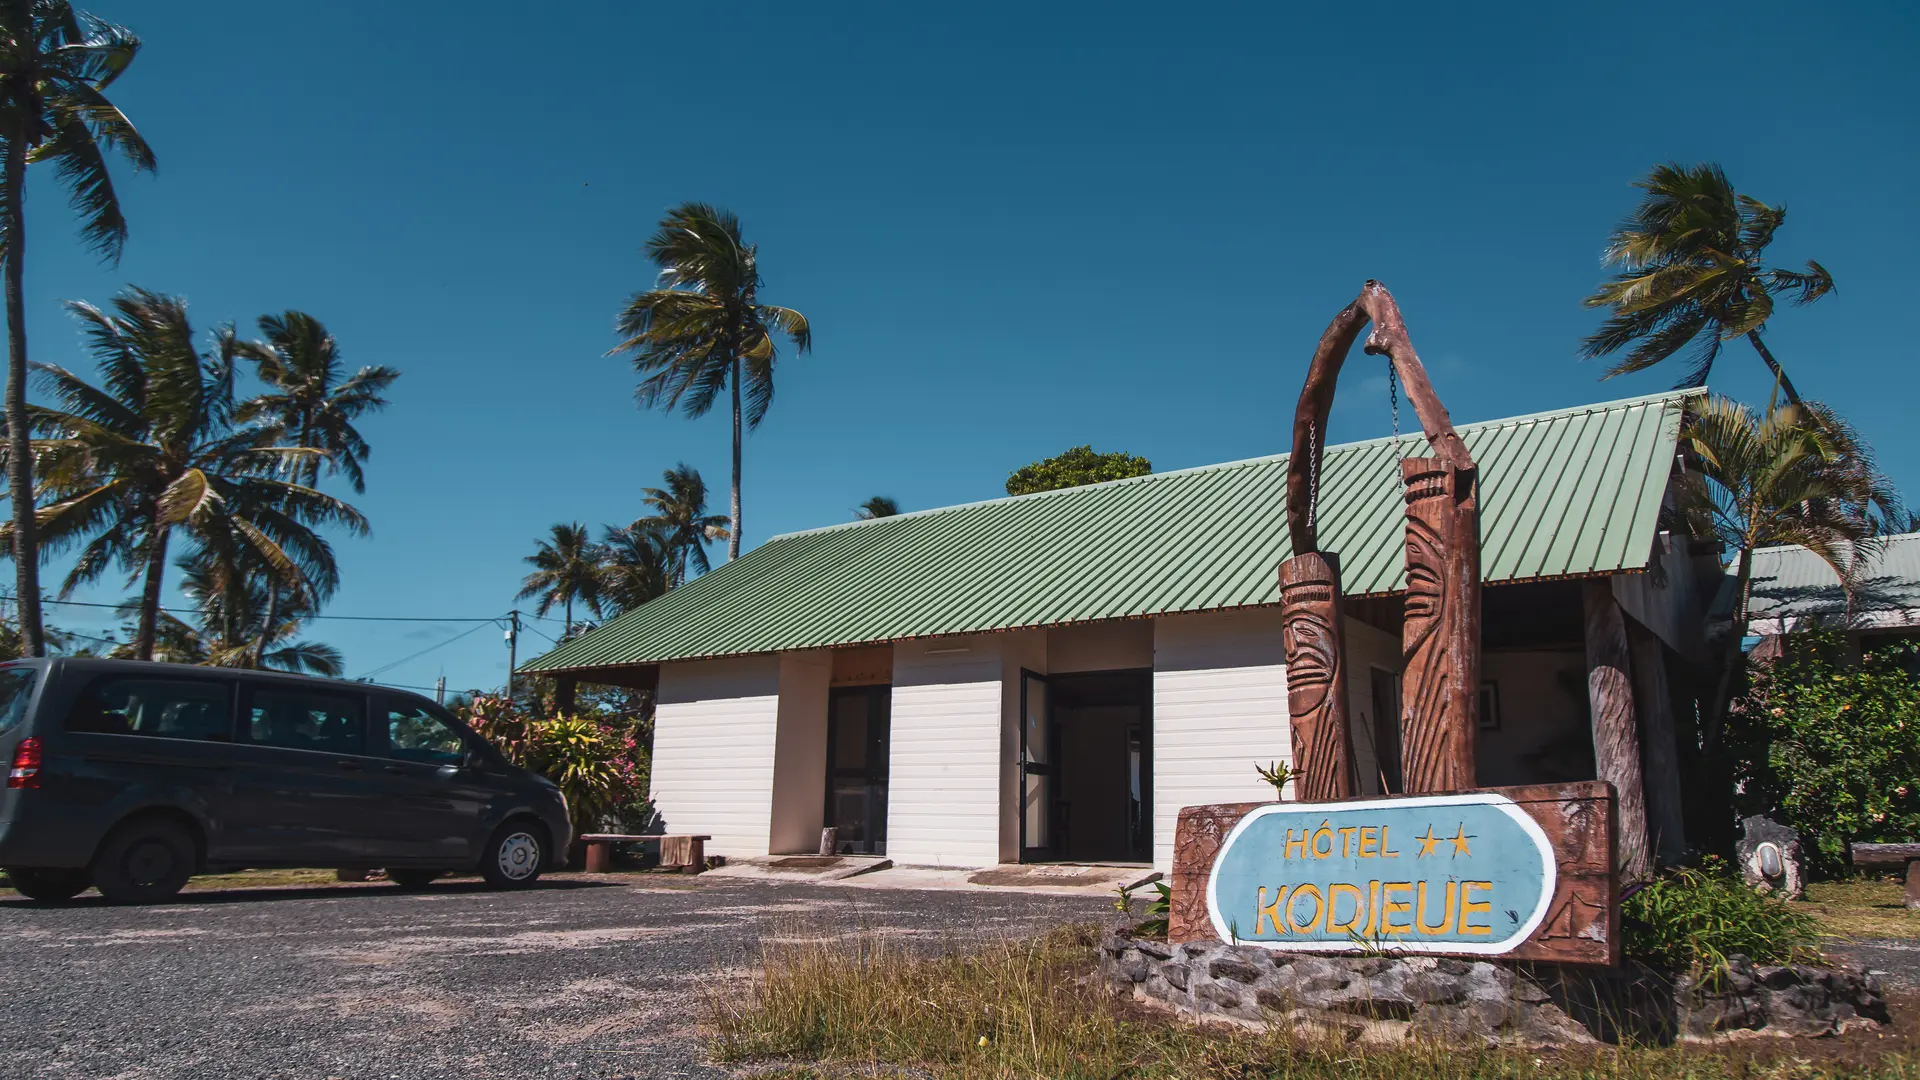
(305, 720)
(16, 687)
(414, 734)
(159, 708)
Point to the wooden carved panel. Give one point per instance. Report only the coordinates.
(1440, 637)
(1316, 677)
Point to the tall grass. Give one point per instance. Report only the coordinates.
(861, 1006)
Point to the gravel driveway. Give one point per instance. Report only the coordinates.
(575, 978)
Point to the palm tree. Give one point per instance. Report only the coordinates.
(566, 569)
(220, 613)
(1797, 475)
(307, 402)
(635, 566)
(877, 507)
(1692, 270)
(680, 512)
(153, 449)
(55, 65)
(704, 330)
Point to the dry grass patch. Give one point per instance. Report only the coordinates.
(865, 1006)
(1862, 908)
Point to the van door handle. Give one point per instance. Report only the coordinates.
(350, 766)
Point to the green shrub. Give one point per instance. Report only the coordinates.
(1831, 744)
(1693, 919)
(604, 772)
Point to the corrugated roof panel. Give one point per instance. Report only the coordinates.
(1793, 582)
(1574, 492)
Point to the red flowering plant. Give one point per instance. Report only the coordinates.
(600, 764)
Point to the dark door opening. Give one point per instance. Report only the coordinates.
(859, 721)
(1088, 774)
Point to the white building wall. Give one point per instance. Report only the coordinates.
(946, 768)
(1219, 708)
(713, 748)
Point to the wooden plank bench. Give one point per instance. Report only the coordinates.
(1893, 855)
(686, 851)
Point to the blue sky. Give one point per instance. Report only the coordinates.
(1014, 230)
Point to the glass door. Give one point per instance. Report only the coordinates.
(1036, 769)
(859, 722)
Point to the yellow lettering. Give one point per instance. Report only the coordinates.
(1469, 906)
(1327, 832)
(1445, 926)
(1370, 842)
(1384, 853)
(1373, 909)
(1319, 905)
(1346, 837)
(1389, 906)
(1271, 912)
(1335, 892)
(1300, 843)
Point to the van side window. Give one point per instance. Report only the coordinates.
(305, 720)
(160, 708)
(16, 686)
(414, 734)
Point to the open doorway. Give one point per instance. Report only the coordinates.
(1087, 767)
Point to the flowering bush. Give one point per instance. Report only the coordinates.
(1833, 743)
(602, 769)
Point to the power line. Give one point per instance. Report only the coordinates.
(423, 652)
(350, 618)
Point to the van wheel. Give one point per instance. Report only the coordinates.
(144, 863)
(513, 857)
(414, 879)
(49, 886)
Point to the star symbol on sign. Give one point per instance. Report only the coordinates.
(1460, 839)
(1427, 842)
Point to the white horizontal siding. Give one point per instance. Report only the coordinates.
(1219, 709)
(713, 743)
(943, 785)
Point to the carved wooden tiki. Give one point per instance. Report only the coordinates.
(1440, 632)
(1440, 636)
(1316, 677)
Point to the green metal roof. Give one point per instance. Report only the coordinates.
(1562, 494)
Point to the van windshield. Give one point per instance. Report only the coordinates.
(16, 686)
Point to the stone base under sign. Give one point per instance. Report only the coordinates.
(1382, 998)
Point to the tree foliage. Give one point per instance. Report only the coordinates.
(704, 331)
(307, 401)
(1693, 271)
(679, 515)
(566, 568)
(879, 506)
(1829, 742)
(1075, 468)
(601, 763)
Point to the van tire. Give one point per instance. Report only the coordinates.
(515, 854)
(144, 862)
(48, 886)
(414, 879)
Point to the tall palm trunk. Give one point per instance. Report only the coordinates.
(567, 625)
(26, 548)
(150, 594)
(1736, 634)
(733, 539)
(1779, 373)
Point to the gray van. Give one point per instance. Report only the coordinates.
(132, 776)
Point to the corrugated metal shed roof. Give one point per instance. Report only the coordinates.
(1792, 582)
(1569, 493)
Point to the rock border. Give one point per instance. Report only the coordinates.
(1394, 998)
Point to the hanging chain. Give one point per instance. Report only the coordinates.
(1393, 396)
(1313, 472)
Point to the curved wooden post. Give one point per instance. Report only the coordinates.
(1440, 641)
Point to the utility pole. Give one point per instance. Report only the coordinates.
(440, 691)
(513, 648)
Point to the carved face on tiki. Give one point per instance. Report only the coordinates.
(1426, 574)
(1312, 647)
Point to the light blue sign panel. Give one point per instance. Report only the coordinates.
(1436, 873)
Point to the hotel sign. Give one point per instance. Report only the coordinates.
(1517, 872)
